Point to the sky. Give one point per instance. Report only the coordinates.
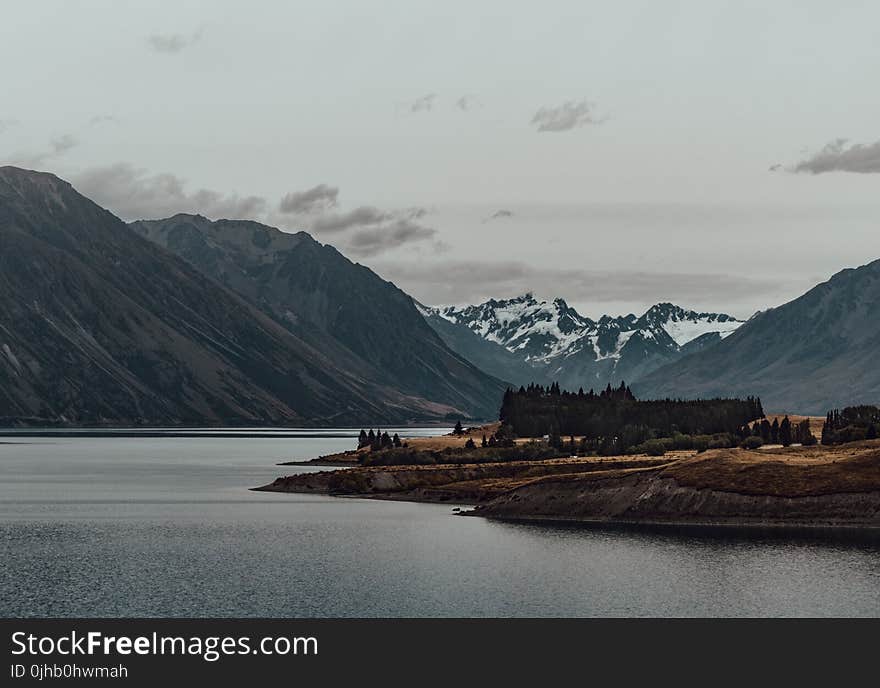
(723, 156)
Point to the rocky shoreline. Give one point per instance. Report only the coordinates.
(818, 488)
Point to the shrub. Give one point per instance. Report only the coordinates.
(654, 447)
(752, 442)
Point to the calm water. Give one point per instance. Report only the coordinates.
(167, 527)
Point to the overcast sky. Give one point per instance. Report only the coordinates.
(725, 156)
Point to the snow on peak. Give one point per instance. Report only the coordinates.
(541, 330)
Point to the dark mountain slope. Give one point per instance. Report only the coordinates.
(819, 351)
(483, 353)
(98, 325)
(320, 295)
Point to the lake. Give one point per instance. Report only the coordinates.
(166, 526)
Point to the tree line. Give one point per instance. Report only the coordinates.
(378, 440)
(852, 424)
(614, 420)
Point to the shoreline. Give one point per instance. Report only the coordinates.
(683, 525)
(822, 490)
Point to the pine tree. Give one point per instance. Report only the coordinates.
(785, 432)
(362, 439)
(396, 440)
(458, 430)
(484, 442)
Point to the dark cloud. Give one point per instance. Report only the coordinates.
(861, 158)
(371, 241)
(499, 215)
(135, 194)
(475, 281)
(424, 104)
(173, 42)
(317, 199)
(361, 216)
(368, 230)
(565, 117)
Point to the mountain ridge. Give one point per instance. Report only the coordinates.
(316, 292)
(556, 342)
(99, 326)
(816, 352)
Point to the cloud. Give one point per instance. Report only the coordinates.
(57, 146)
(361, 216)
(565, 117)
(317, 199)
(172, 43)
(774, 168)
(6, 124)
(103, 119)
(61, 144)
(861, 158)
(499, 215)
(135, 194)
(475, 281)
(369, 242)
(368, 230)
(424, 104)
(467, 103)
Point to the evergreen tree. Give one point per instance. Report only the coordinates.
(396, 440)
(458, 430)
(774, 431)
(484, 442)
(808, 439)
(785, 432)
(470, 443)
(362, 439)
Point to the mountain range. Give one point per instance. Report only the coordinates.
(538, 340)
(229, 322)
(100, 325)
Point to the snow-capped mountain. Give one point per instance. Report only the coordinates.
(558, 342)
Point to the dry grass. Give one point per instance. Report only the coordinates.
(793, 472)
(815, 421)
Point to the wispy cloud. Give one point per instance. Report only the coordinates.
(317, 199)
(173, 43)
(8, 123)
(565, 117)
(501, 214)
(467, 103)
(57, 146)
(374, 240)
(837, 156)
(103, 119)
(361, 216)
(424, 104)
(135, 194)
